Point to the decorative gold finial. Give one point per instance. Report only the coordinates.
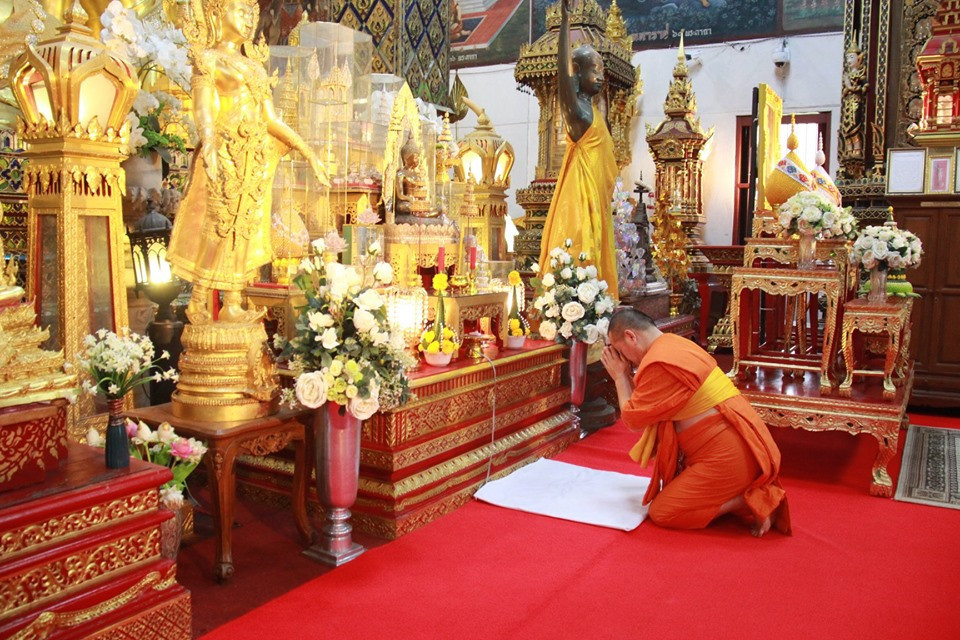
(680, 55)
(294, 38)
(793, 142)
(76, 14)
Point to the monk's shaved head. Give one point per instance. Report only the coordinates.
(626, 318)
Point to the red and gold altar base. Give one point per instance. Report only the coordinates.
(427, 457)
(80, 555)
(33, 441)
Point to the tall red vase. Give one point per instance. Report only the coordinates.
(578, 372)
(337, 438)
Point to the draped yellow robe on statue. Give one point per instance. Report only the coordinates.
(581, 206)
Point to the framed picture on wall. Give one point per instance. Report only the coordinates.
(956, 174)
(939, 174)
(906, 169)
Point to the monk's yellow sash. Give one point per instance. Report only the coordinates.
(716, 389)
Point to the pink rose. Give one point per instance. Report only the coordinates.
(181, 448)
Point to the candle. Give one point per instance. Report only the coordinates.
(441, 255)
(473, 258)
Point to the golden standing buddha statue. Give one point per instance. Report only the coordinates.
(412, 200)
(221, 235)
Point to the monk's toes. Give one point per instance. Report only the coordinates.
(761, 528)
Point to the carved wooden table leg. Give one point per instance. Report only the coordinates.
(892, 355)
(223, 490)
(847, 347)
(882, 485)
(301, 476)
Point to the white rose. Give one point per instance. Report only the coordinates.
(552, 311)
(538, 304)
(566, 330)
(592, 333)
(555, 252)
(572, 311)
(172, 498)
(363, 408)
(583, 257)
(603, 285)
(363, 320)
(548, 280)
(880, 250)
(93, 438)
(898, 242)
(829, 219)
(549, 297)
(885, 234)
(566, 273)
(566, 259)
(869, 260)
(785, 220)
(895, 261)
(369, 300)
(535, 267)
(383, 273)
(581, 273)
(548, 330)
(603, 324)
(379, 338)
(329, 339)
(311, 389)
(588, 292)
(318, 321)
(810, 214)
(592, 271)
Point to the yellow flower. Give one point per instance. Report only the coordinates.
(352, 368)
(514, 324)
(447, 346)
(514, 278)
(440, 282)
(447, 333)
(429, 336)
(433, 347)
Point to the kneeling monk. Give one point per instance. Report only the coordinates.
(689, 410)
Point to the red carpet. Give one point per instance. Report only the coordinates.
(856, 567)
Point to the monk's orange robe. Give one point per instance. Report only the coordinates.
(726, 455)
(581, 208)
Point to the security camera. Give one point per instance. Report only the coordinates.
(693, 59)
(781, 56)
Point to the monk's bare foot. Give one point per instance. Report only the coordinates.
(761, 528)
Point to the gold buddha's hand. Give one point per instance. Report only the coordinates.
(209, 152)
(319, 170)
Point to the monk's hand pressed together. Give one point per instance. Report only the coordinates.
(616, 365)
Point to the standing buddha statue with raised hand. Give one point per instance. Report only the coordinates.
(581, 204)
(221, 236)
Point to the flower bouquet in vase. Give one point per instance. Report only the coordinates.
(810, 215)
(116, 364)
(438, 342)
(885, 248)
(165, 448)
(348, 364)
(574, 309)
(517, 326)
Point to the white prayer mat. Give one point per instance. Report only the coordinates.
(569, 492)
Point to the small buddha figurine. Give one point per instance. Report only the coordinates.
(411, 202)
(10, 292)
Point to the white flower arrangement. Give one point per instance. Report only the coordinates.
(116, 364)
(344, 350)
(157, 47)
(887, 247)
(810, 213)
(573, 303)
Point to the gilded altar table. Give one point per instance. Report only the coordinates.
(744, 307)
(891, 318)
(461, 308)
(428, 457)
